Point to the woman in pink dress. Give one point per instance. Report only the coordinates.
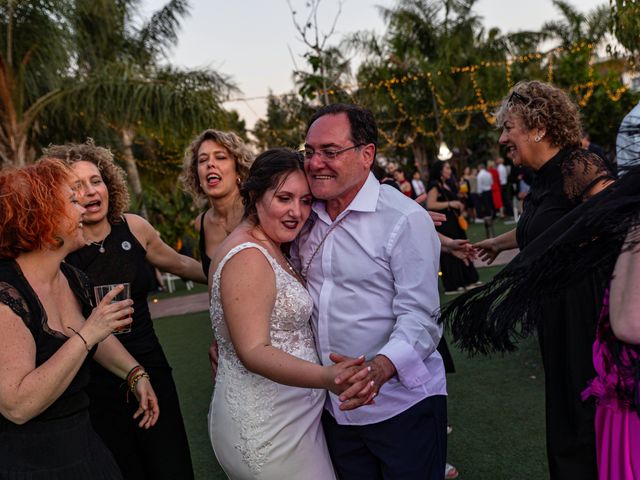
(616, 359)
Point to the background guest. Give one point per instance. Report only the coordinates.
(456, 275)
(541, 130)
(46, 345)
(118, 247)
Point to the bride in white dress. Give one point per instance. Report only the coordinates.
(264, 419)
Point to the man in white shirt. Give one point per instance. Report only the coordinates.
(485, 182)
(370, 258)
(503, 174)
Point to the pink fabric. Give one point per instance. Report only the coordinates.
(617, 442)
(617, 425)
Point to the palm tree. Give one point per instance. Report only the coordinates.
(423, 39)
(34, 44)
(123, 85)
(575, 26)
(85, 63)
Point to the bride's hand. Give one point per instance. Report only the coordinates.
(346, 367)
(352, 382)
(364, 385)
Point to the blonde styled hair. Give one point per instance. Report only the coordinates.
(240, 152)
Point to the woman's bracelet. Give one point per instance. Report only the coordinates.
(135, 369)
(81, 338)
(136, 378)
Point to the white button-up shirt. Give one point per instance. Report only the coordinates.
(374, 287)
(485, 181)
(502, 174)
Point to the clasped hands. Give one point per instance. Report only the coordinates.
(358, 381)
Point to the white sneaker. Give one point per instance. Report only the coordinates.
(450, 472)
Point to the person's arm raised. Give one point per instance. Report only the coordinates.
(161, 255)
(27, 390)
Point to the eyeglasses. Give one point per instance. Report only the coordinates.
(328, 154)
(519, 97)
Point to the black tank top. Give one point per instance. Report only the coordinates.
(124, 260)
(17, 294)
(202, 246)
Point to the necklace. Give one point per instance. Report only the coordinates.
(305, 268)
(100, 244)
(292, 269)
(287, 262)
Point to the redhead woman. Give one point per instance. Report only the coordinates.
(119, 247)
(50, 329)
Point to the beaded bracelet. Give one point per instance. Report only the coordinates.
(136, 378)
(132, 372)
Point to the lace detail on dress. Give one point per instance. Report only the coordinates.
(85, 289)
(10, 296)
(581, 170)
(251, 397)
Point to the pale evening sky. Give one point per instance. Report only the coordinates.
(256, 44)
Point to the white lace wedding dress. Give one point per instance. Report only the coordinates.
(260, 429)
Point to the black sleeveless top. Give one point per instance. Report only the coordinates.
(17, 294)
(124, 261)
(202, 246)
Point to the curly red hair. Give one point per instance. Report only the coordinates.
(33, 205)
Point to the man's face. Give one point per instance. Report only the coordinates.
(338, 178)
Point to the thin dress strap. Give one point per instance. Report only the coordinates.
(238, 248)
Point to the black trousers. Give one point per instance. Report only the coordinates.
(162, 452)
(410, 446)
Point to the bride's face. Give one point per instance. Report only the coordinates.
(282, 211)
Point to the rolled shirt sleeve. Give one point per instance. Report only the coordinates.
(414, 252)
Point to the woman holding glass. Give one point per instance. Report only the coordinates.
(49, 333)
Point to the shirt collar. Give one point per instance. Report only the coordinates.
(365, 200)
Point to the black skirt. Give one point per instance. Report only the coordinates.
(60, 449)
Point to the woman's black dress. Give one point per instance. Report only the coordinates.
(455, 273)
(569, 321)
(60, 442)
(162, 452)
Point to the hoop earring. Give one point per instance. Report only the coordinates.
(238, 181)
(537, 139)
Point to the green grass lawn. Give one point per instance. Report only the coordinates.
(496, 404)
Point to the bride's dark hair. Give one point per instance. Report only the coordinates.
(269, 170)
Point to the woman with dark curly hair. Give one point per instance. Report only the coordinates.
(215, 165)
(541, 130)
(50, 330)
(120, 246)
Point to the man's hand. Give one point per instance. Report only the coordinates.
(379, 370)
